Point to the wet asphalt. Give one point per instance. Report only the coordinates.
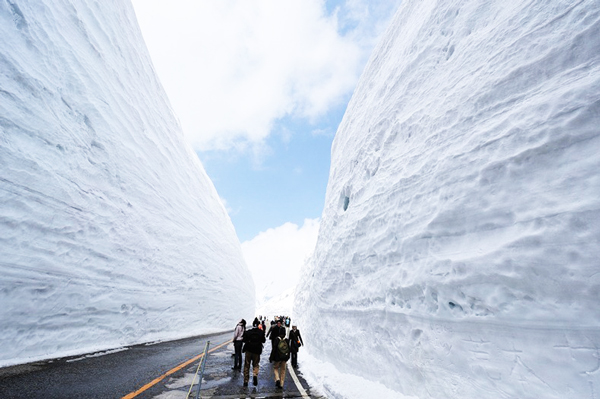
(123, 373)
(221, 382)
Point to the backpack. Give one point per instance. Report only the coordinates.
(283, 348)
(253, 341)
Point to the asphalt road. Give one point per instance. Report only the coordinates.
(164, 370)
(221, 382)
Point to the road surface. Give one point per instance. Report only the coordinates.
(163, 370)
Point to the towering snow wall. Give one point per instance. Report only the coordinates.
(111, 233)
(459, 249)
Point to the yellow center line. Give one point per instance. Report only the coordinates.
(173, 370)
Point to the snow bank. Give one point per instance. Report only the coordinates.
(111, 233)
(281, 304)
(458, 254)
(324, 379)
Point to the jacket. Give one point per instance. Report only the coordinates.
(275, 332)
(295, 340)
(253, 341)
(239, 332)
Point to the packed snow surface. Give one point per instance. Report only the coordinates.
(111, 233)
(458, 253)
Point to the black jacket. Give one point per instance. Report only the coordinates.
(253, 340)
(295, 340)
(275, 332)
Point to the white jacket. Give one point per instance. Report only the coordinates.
(239, 332)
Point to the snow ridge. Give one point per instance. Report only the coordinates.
(458, 248)
(111, 233)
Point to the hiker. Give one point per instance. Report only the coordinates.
(238, 335)
(287, 322)
(253, 346)
(280, 354)
(295, 343)
(255, 323)
(273, 333)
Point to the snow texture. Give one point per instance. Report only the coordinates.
(326, 380)
(458, 252)
(111, 233)
(278, 305)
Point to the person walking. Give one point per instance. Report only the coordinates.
(281, 355)
(253, 346)
(238, 336)
(295, 343)
(273, 334)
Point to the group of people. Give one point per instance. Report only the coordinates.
(285, 343)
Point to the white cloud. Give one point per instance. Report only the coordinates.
(323, 132)
(276, 256)
(228, 208)
(231, 68)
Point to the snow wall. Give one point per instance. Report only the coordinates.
(459, 249)
(111, 233)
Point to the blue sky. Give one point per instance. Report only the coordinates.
(260, 88)
(286, 185)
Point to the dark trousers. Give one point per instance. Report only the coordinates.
(294, 358)
(237, 362)
(273, 348)
(253, 358)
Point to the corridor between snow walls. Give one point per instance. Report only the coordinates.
(111, 233)
(458, 249)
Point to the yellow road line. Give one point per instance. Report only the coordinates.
(173, 370)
